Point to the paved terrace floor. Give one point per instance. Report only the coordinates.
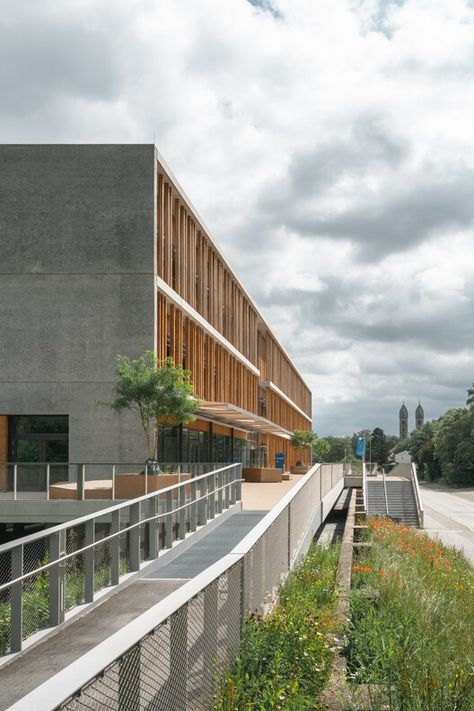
(449, 516)
(59, 650)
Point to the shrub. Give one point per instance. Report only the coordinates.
(285, 658)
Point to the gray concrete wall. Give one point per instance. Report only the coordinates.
(77, 256)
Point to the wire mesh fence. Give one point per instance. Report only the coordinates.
(178, 664)
(172, 658)
(44, 576)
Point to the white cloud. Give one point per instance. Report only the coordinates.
(328, 146)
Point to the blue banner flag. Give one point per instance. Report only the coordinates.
(360, 446)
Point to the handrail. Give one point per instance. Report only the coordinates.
(418, 501)
(59, 690)
(250, 539)
(385, 490)
(67, 682)
(81, 478)
(106, 464)
(189, 504)
(106, 539)
(364, 487)
(109, 510)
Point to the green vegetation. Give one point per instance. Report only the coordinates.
(36, 599)
(378, 451)
(444, 448)
(285, 658)
(156, 391)
(35, 610)
(411, 636)
(304, 439)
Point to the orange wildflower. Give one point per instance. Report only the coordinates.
(362, 569)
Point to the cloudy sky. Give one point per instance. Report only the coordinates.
(327, 144)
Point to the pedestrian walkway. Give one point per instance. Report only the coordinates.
(207, 550)
(72, 641)
(263, 497)
(161, 579)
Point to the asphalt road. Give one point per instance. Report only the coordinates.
(449, 516)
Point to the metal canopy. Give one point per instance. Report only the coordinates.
(233, 415)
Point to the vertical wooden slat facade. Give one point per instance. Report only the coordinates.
(190, 264)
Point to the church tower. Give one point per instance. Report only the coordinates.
(403, 420)
(419, 417)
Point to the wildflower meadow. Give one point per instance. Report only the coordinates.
(411, 634)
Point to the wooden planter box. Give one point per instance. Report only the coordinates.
(262, 475)
(299, 469)
(95, 489)
(131, 486)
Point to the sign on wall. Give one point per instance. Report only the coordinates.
(280, 460)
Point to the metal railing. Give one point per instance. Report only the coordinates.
(44, 480)
(47, 574)
(416, 490)
(364, 486)
(170, 657)
(384, 481)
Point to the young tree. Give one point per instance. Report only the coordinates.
(301, 440)
(155, 390)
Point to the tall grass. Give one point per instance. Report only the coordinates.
(285, 658)
(411, 636)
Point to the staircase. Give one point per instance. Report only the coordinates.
(375, 498)
(400, 498)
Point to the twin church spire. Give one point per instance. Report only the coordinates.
(403, 419)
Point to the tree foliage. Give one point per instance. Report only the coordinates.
(156, 391)
(304, 439)
(454, 445)
(421, 448)
(378, 447)
(444, 448)
(320, 449)
(339, 449)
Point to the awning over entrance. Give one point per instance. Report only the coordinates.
(235, 416)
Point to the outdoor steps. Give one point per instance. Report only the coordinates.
(400, 497)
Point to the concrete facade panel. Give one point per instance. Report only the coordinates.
(70, 327)
(77, 246)
(74, 209)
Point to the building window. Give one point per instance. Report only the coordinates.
(37, 440)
